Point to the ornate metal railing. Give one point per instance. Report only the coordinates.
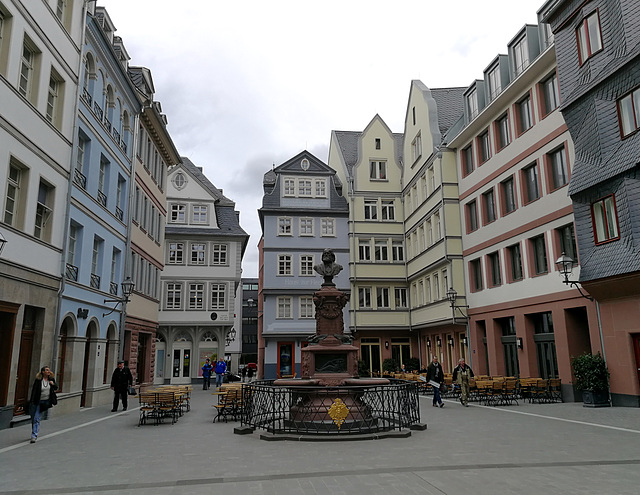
(344, 410)
(97, 110)
(119, 214)
(95, 281)
(102, 198)
(79, 178)
(71, 272)
(113, 288)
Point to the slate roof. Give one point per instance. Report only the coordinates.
(221, 199)
(271, 183)
(450, 103)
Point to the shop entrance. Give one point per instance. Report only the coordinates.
(181, 368)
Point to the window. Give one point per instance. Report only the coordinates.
(502, 131)
(102, 179)
(289, 187)
(284, 265)
(381, 251)
(485, 146)
(56, 86)
(364, 250)
(284, 225)
(550, 94)
(370, 209)
(605, 220)
(432, 178)
(304, 187)
(378, 170)
(400, 294)
(589, 37)
(388, 210)
(364, 297)
(42, 228)
(218, 296)
(472, 104)
(306, 226)
(284, 307)
(493, 78)
(377, 141)
(306, 265)
(27, 69)
(173, 296)
(520, 56)
(96, 262)
(416, 147)
(508, 195)
(629, 113)
(472, 216)
(397, 251)
(567, 241)
(178, 213)
(436, 287)
(200, 214)
(176, 253)
(328, 227)
(531, 185)
(196, 296)
(219, 254)
(515, 261)
(382, 297)
(198, 253)
(494, 269)
(321, 188)
(120, 201)
(467, 160)
(525, 115)
(306, 307)
(557, 167)
(540, 263)
(72, 269)
(476, 275)
(14, 201)
(489, 202)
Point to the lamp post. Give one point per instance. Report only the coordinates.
(127, 290)
(565, 266)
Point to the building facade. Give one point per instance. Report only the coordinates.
(303, 212)
(369, 163)
(599, 76)
(249, 351)
(515, 158)
(154, 154)
(40, 54)
(204, 246)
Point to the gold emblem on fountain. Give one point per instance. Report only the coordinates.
(338, 412)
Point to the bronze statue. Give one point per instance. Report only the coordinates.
(328, 268)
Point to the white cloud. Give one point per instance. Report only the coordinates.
(246, 85)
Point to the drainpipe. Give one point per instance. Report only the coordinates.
(67, 214)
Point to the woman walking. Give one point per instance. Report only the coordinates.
(43, 397)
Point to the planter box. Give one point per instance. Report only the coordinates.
(595, 399)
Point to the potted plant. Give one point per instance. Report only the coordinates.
(389, 365)
(592, 377)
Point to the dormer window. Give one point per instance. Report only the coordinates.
(520, 56)
(472, 104)
(589, 37)
(493, 78)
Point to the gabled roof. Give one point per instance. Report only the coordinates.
(196, 173)
(450, 104)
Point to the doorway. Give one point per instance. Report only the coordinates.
(181, 365)
(370, 354)
(7, 328)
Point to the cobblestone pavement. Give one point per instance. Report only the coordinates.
(523, 449)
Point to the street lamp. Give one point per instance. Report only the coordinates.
(127, 290)
(565, 266)
(452, 296)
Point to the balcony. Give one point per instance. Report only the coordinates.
(98, 111)
(71, 272)
(102, 198)
(107, 124)
(95, 281)
(79, 179)
(87, 97)
(116, 135)
(113, 288)
(119, 214)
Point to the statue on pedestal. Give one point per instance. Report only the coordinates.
(328, 268)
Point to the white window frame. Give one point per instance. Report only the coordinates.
(175, 253)
(220, 254)
(383, 298)
(364, 250)
(306, 265)
(289, 189)
(321, 188)
(306, 308)
(378, 170)
(284, 226)
(218, 293)
(364, 297)
(328, 227)
(283, 308)
(173, 295)
(196, 296)
(400, 297)
(304, 188)
(199, 249)
(178, 213)
(388, 210)
(200, 214)
(371, 209)
(305, 226)
(285, 265)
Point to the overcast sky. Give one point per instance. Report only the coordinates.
(248, 84)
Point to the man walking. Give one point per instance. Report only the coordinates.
(120, 382)
(435, 377)
(206, 374)
(461, 374)
(221, 369)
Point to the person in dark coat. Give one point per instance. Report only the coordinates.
(250, 373)
(43, 397)
(436, 375)
(461, 375)
(207, 369)
(121, 380)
